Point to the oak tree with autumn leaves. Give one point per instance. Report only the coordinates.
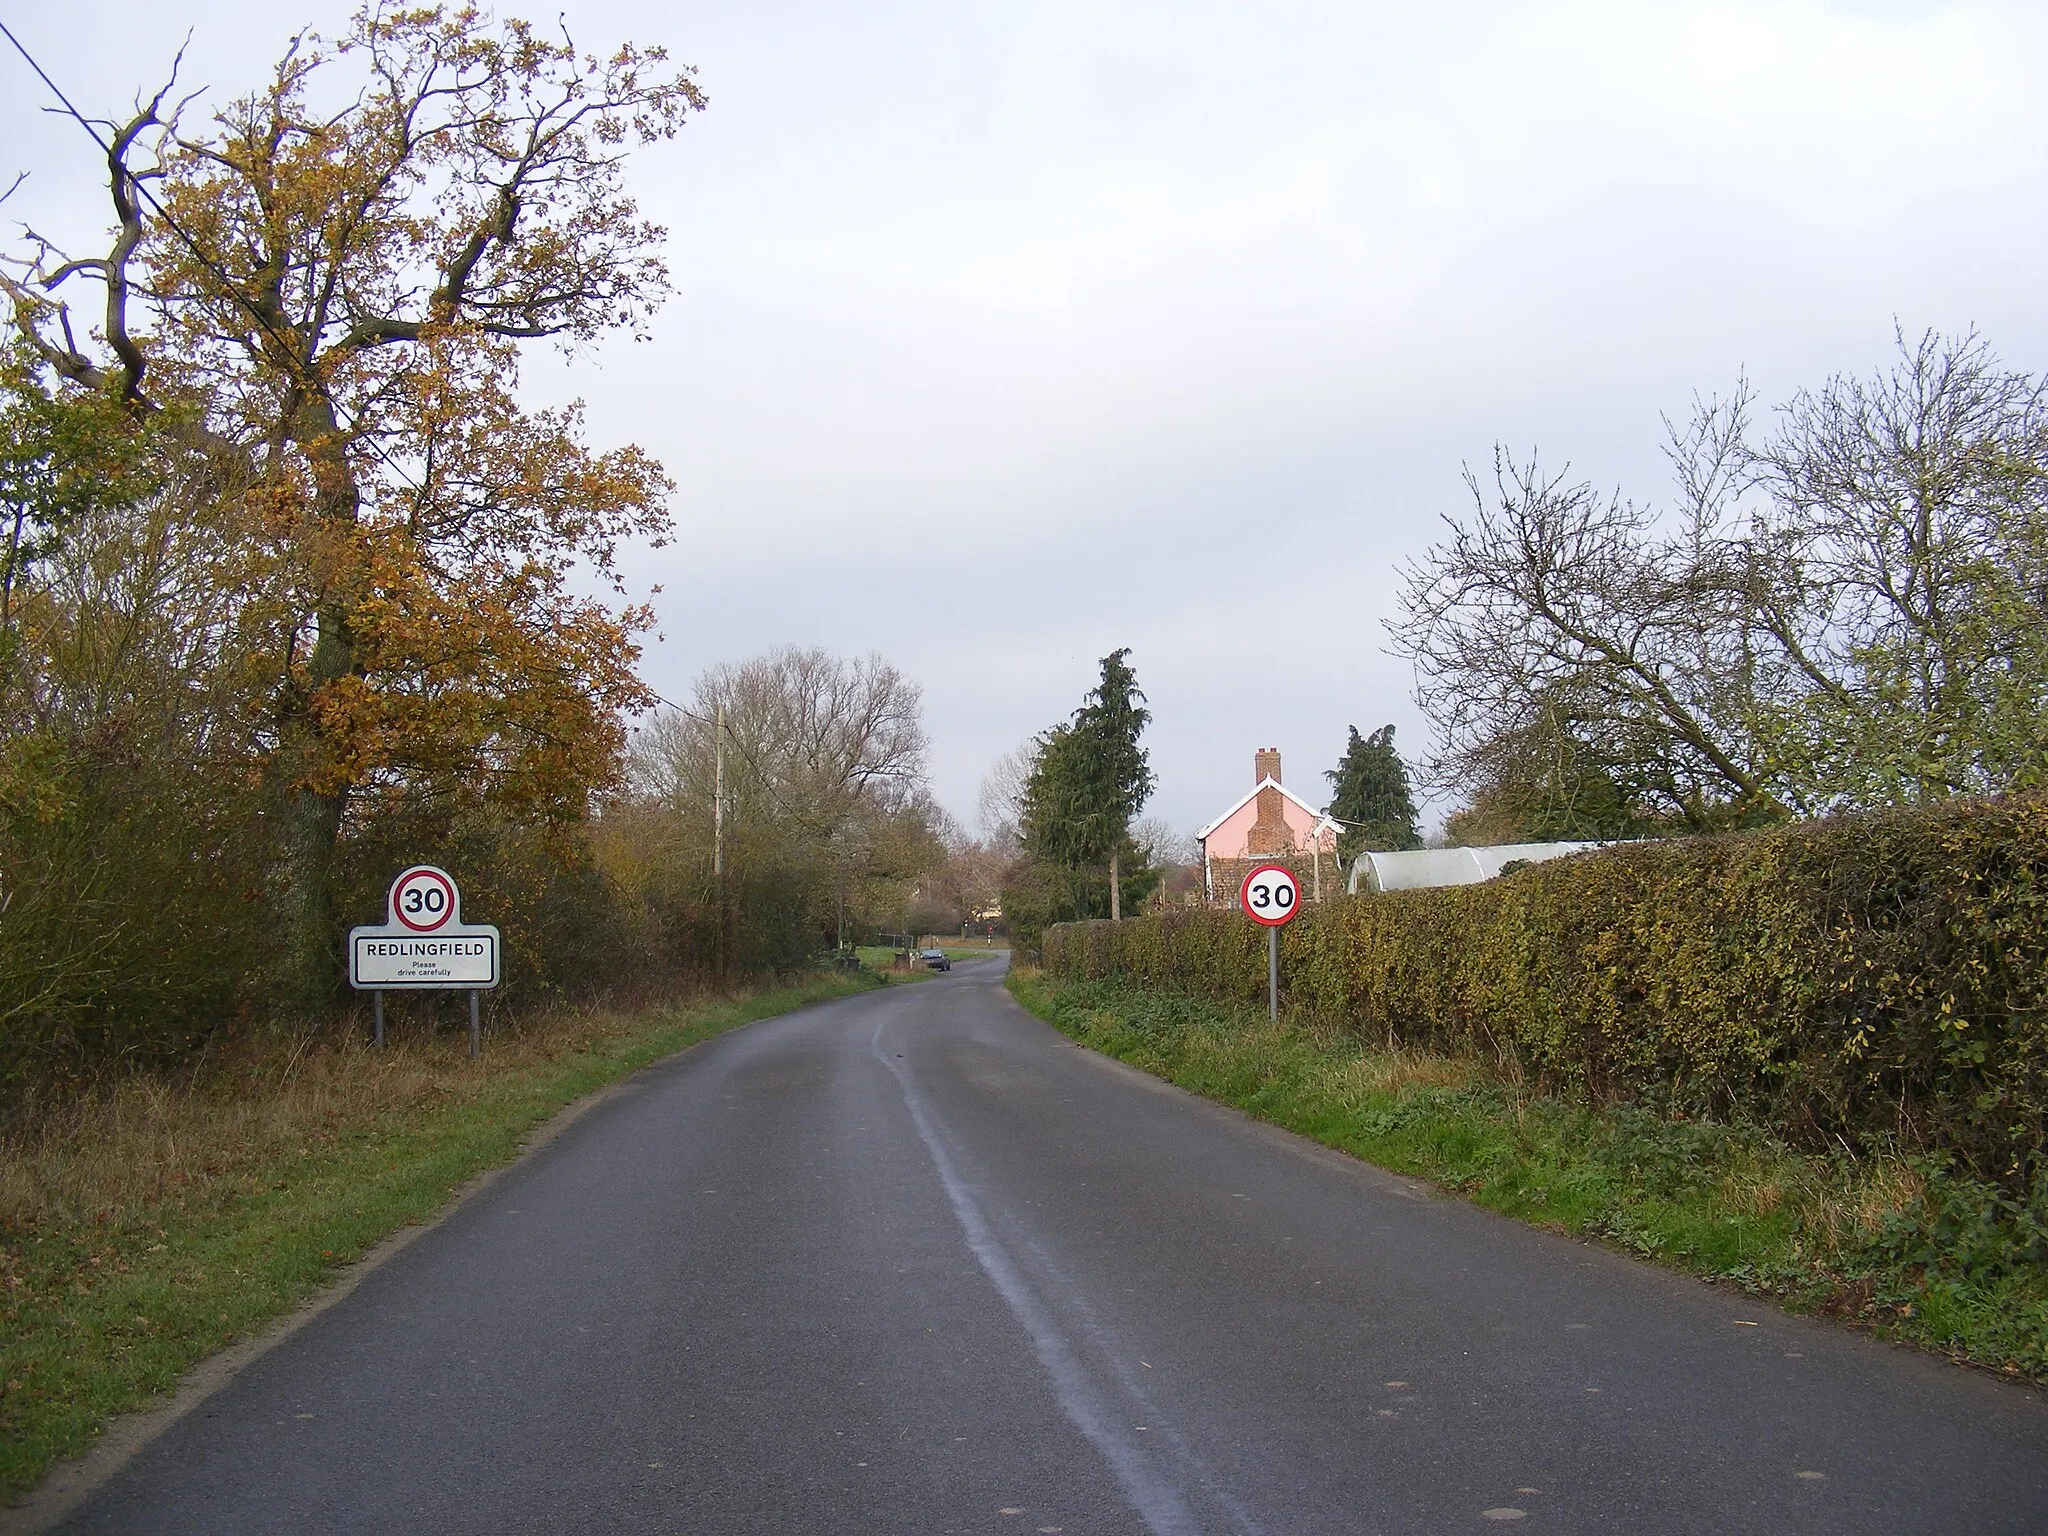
(322, 295)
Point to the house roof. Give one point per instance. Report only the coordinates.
(1249, 795)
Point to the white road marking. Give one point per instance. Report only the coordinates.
(1155, 1493)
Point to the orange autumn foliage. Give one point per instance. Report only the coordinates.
(326, 293)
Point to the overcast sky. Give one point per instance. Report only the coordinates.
(1006, 334)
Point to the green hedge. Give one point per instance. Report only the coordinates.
(1873, 975)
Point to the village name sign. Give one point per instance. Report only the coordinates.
(424, 946)
(423, 941)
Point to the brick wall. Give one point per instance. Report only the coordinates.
(1227, 875)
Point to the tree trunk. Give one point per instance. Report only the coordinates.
(1116, 901)
(312, 791)
(311, 825)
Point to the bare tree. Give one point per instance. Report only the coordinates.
(1906, 532)
(1000, 805)
(1554, 601)
(1853, 611)
(824, 767)
(820, 735)
(1161, 845)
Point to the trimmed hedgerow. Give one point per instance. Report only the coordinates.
(1872, 976)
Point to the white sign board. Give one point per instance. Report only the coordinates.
(423, 941)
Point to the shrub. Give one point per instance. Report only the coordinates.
(133, 914)
(1869, 976)
(567, 928)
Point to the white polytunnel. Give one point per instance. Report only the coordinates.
(1423, 868)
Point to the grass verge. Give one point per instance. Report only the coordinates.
(1901, 1248)
(881, 959)
(148, 1226)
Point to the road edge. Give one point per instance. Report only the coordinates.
(69, 1483)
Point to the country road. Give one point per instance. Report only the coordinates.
(910, 1262)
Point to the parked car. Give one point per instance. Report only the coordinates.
(936, 959)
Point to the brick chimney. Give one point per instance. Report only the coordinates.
(1270, 834)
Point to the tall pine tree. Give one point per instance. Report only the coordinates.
(1090, 779)
(1372, 801)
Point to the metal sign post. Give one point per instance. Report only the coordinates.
(1273, 974)
(1270, 896)
(425, 946)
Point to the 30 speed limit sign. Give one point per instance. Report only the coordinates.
(423, 899)
(1270, 895)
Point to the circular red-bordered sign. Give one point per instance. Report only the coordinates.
(423, 899)
(1270, 895)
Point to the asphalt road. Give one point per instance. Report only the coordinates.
(911, 1262)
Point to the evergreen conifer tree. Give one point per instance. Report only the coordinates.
(1373, 801)
(1089, 780)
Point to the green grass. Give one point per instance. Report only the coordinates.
(162, 1223)
(880, 957)
(1898, 1247)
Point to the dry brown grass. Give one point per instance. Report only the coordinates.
(1840, 1206)
(1840, 1215)
(129, 1146)
(1361, 1079)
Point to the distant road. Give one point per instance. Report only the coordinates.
(912, 1263)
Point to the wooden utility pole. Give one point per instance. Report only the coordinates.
(1116, 905)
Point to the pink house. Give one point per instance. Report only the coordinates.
(1270, 822)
